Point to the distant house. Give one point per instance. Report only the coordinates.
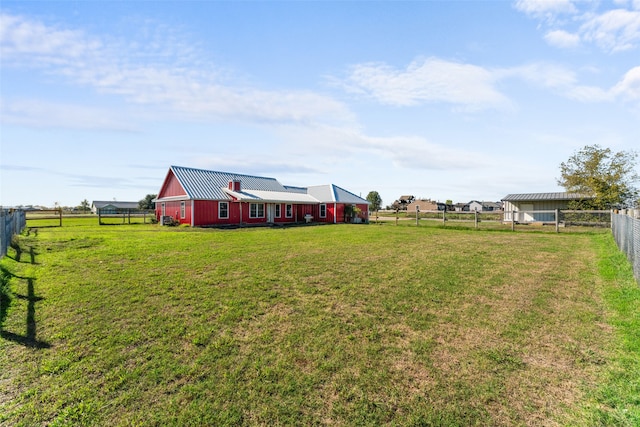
(485, 206)
(112, 207)
(461, 207)
(199, 197)
(423, 205)
(445, 207)
(536, 207)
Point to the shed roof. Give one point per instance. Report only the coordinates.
(99, 204)
(531, 197)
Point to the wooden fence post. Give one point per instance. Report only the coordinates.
(513, 220)
(476, 218)
(557, 220)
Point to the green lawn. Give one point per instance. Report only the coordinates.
(329, 325)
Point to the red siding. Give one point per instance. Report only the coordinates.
(171, 187)
(172, 209)
(205, 212)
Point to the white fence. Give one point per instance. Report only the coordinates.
(12, 221)
(626, 232)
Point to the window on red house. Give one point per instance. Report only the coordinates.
(256, 210)
(223, 210)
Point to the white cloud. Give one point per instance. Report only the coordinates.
(473, 88)
(469, 87)
(412, 152)
(20, 37)
(562, 39)
(544, 75)
(42, 114)
(545, 9)
(589, 94)
(165, 74)
(629, 87)
(615, 30)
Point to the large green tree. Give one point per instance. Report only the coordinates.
(607, 177)
(84, 205)
(147, 202)
(376, 201)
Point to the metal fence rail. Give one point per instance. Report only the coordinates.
(626, 232)
(12, 221)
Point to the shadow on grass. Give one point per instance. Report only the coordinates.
(5, 298)
(29, 339)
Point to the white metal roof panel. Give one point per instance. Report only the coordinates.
(323, 193)
(283, 196)
(333, 193)
(531, 197)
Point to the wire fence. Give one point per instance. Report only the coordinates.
(626, 232)
(12, 221)
(516, 220)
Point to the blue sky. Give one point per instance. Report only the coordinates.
(444, 100)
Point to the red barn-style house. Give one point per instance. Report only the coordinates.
(201, 198)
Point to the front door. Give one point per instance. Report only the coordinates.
(271, 212)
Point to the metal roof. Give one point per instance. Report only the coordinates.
(530, 197)
(345, 196)
(99, 204)
(208, 185)
(333, 193)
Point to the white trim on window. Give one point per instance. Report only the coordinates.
(323, 210)
(223, 210)
(288, 211)
(256, 210)
(278, 210)
(182, 210)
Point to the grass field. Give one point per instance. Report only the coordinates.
(329, 325)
